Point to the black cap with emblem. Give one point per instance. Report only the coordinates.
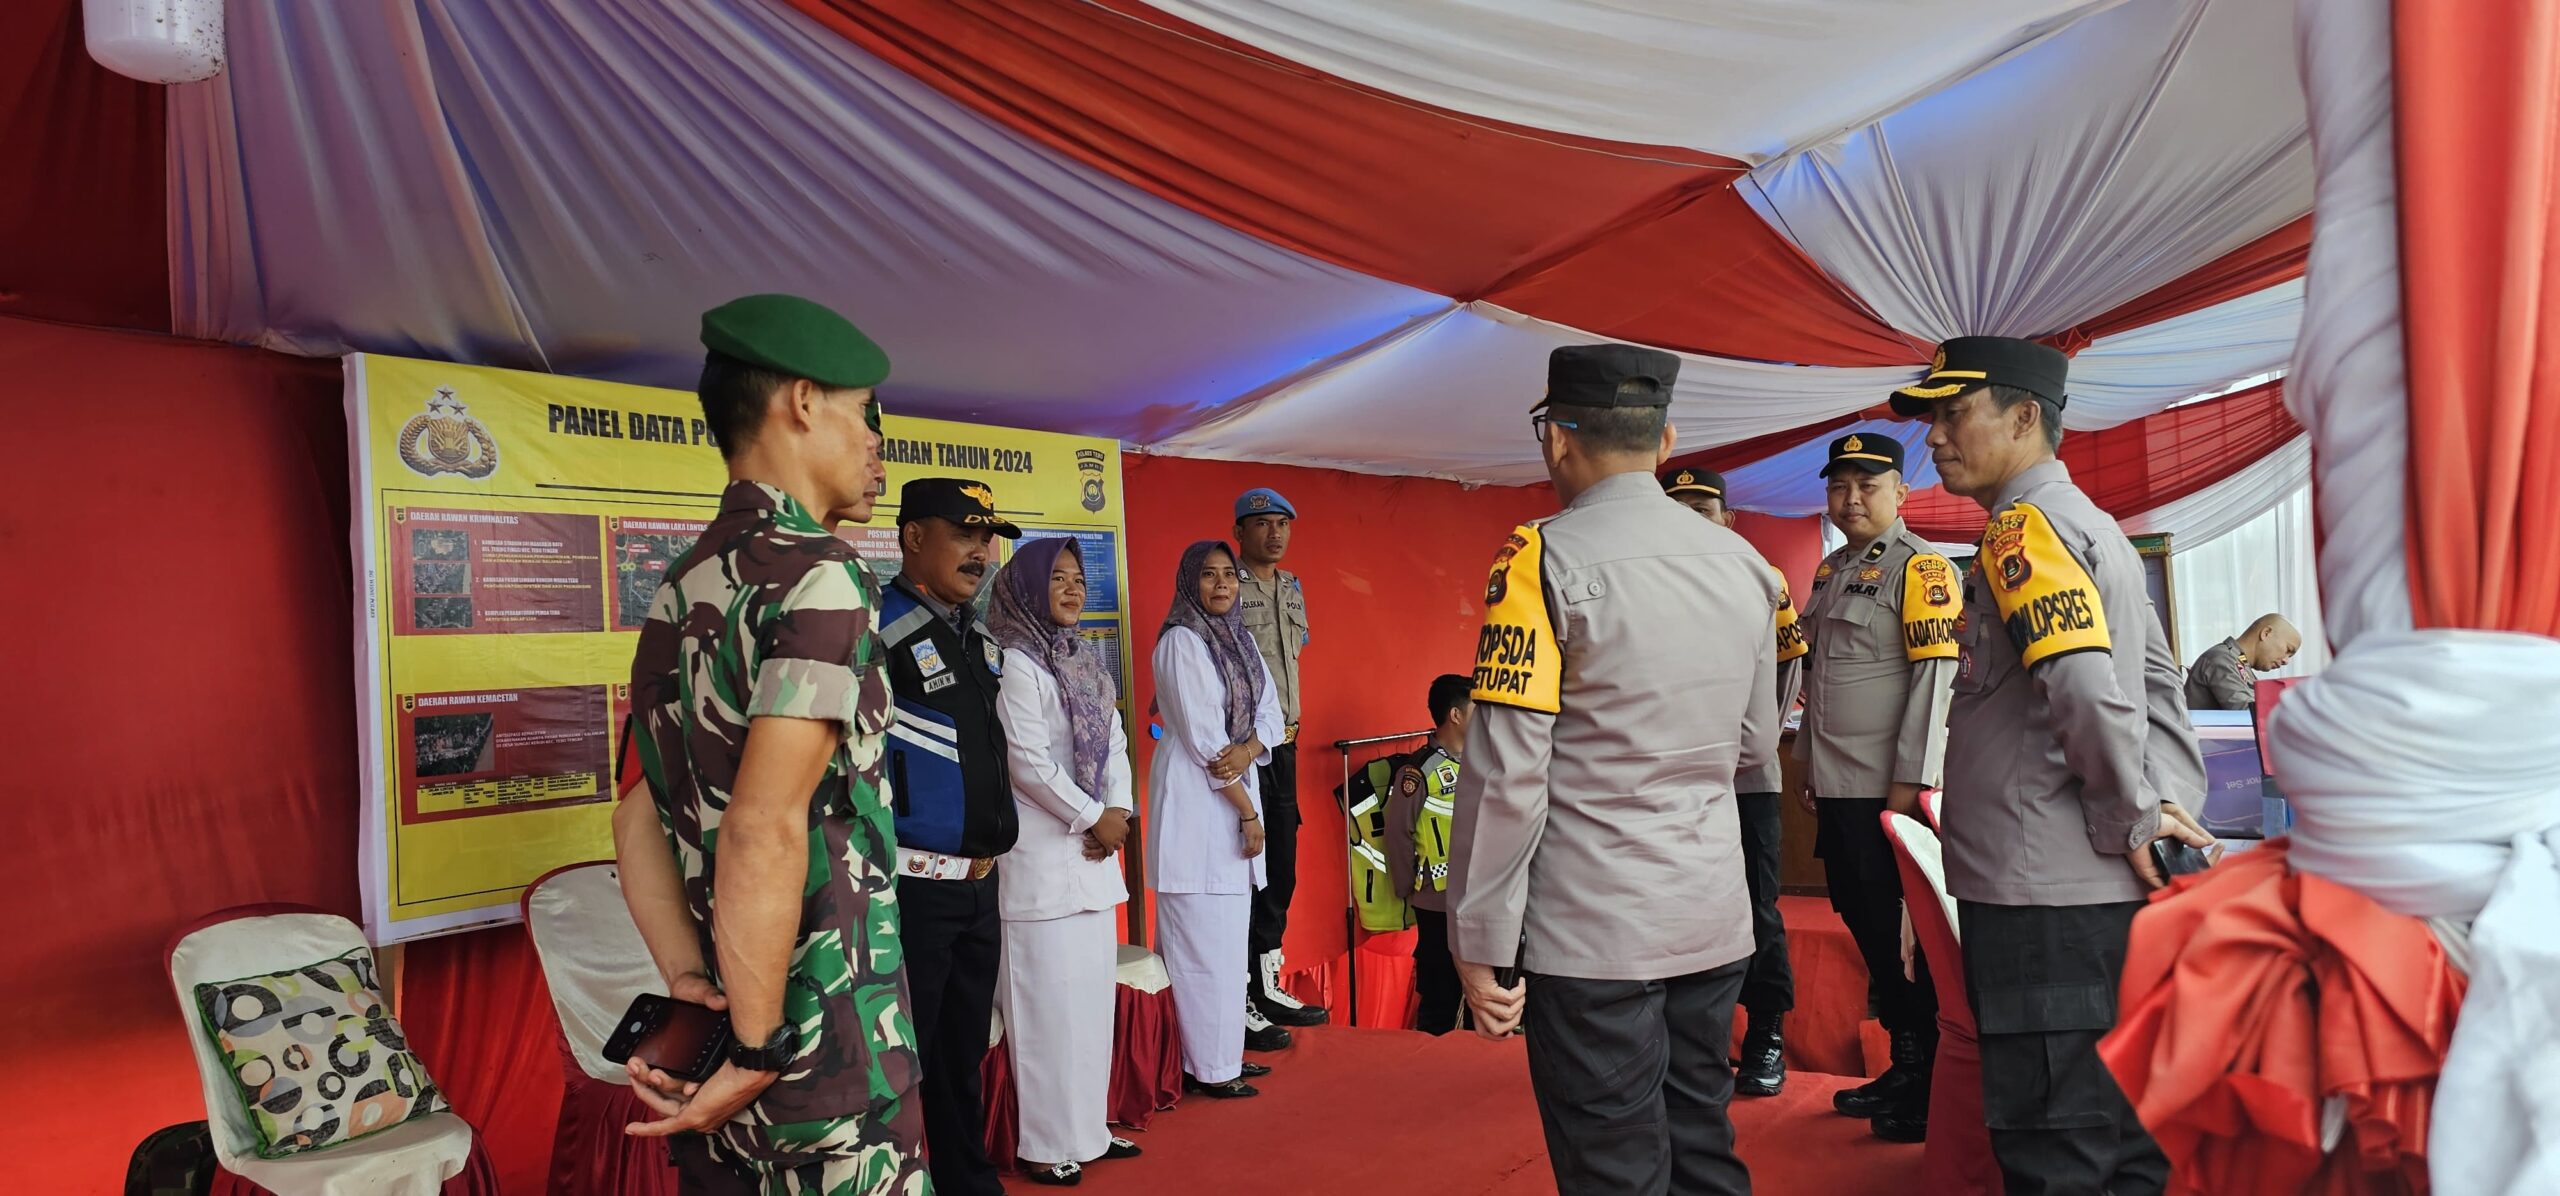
(1864, 451)
(960, 500)
(1968, 362)
(1708, 482)
(1610, 376)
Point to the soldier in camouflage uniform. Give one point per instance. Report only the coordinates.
(759, 713)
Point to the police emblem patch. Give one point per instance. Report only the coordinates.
(928, 658)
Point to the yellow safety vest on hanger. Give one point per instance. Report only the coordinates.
(1373, 892)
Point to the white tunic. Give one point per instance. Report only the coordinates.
(1046, 874)
(1194, 845)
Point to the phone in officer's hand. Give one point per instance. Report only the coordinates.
(680, 1038)
(2175, 859)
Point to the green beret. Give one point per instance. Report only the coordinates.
(791, 335)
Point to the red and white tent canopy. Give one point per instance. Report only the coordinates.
(1310, 231)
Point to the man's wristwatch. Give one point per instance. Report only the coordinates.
(777, 1052)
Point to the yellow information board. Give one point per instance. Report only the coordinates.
(511, 530)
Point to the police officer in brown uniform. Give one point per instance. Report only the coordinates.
(1769, 989)
(2058, 752)
(1273, 604)
(1624, 674)
(1881, 619)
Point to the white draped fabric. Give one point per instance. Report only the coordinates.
(1725, 76)
(2155, 136)
(1449, 396)
(2417, 765)
(432, 180)
(426, 179)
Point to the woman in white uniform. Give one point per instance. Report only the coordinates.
(1068, 760)
(1221, 715)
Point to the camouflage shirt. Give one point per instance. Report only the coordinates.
(770, 615)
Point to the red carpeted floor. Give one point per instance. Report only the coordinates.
(1393, 1111)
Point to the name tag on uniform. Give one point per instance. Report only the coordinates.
(929, 658)
(943, 682)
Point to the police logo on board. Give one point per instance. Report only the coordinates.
(445, 439)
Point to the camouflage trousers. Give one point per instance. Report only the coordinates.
(705, 1166)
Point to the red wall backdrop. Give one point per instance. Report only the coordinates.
(180, 729)
(179, 725)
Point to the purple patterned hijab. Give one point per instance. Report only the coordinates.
(1019, 617)
(1230, 645)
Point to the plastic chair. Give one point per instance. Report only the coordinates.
(414, 1158)
(594, 963)
(1957, 1159)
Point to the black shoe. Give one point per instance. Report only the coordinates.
(1893, 1091)
(1121, 1148)
(1259, 1033)
(1897, 1127)
(1762, 1069)
(1231, 1090)
(1255, 1071)
(1275, 1001)
(1064, 1175)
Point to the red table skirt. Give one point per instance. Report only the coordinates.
(1146, 1071)
(479, 1177)
(590, 1155)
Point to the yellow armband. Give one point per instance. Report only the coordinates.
(1517, 661)
(1790, 636)
(2046, 599)
(1929, 608)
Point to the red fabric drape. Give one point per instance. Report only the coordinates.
(590, 1155)
(2271, 259)
(1549, 224)
(2254, 993)
(2476, 91)
(83, 227)
(2134, 467)
(480, 1019)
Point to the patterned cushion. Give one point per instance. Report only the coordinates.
(315, 1055)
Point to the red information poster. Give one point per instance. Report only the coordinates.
(482, 572)
(494, 751)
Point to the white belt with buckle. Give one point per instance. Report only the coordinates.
(933, 865)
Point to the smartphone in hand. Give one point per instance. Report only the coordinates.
(2176, 859)
(680, 1038)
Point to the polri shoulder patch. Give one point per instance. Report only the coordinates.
(2047, 601)
(1929, 608)
(1517, 661)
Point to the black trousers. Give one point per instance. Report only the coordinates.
(1632, 1079)
(1279, 787)
(2042, 981)
(1435, 973)
(1771, 985)
(952, 933)
(1866, 891)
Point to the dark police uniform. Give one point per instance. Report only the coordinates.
(955, 815)
(2058, 754)
(1769, 988)
(1881, 618)
(1625, 673)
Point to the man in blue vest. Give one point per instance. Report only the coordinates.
(954, 805)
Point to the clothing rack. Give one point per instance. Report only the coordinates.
(1351, 894)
